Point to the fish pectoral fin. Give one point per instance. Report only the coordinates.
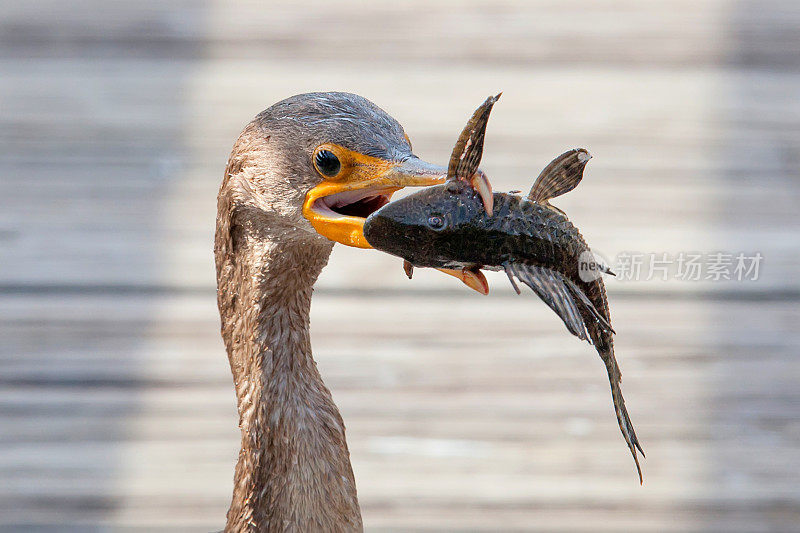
(563, 174)
(471, 277)
(549, 285)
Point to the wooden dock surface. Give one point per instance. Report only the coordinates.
(116, 403)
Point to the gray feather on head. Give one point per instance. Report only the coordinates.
(310, 119)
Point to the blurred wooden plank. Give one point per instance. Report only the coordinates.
(619, 32)
(435, 414)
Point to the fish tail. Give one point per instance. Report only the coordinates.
(623, 419)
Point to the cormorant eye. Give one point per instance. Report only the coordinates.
(436, 221)
(327, 163)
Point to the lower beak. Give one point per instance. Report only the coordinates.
(338, 208)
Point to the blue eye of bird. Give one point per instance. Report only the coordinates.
(327, 163)
(436, 221)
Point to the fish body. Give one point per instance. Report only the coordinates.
(446, 226)
(459, 225)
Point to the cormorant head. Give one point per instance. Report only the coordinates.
(322, 163)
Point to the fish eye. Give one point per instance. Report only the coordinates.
(436, 221)
(327, 163)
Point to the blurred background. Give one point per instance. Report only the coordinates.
(117, 409)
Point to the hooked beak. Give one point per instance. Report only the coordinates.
(337, 208)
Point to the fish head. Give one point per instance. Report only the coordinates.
(430, 228)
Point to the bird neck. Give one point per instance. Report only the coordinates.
(294, 470)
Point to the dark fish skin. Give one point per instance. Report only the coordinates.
(446, 226)
(518, 231)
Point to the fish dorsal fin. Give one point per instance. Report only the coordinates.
(563, 174)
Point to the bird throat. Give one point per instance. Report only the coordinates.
(293, 472)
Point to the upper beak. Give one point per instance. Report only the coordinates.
(337, 208)
(414, 172)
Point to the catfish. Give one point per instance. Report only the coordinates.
(463, 225)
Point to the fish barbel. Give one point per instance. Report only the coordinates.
(463, 225)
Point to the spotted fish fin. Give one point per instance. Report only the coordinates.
(550, 286)
(563, 174)
(468, 152)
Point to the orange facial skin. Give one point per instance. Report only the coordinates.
(361, 177)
